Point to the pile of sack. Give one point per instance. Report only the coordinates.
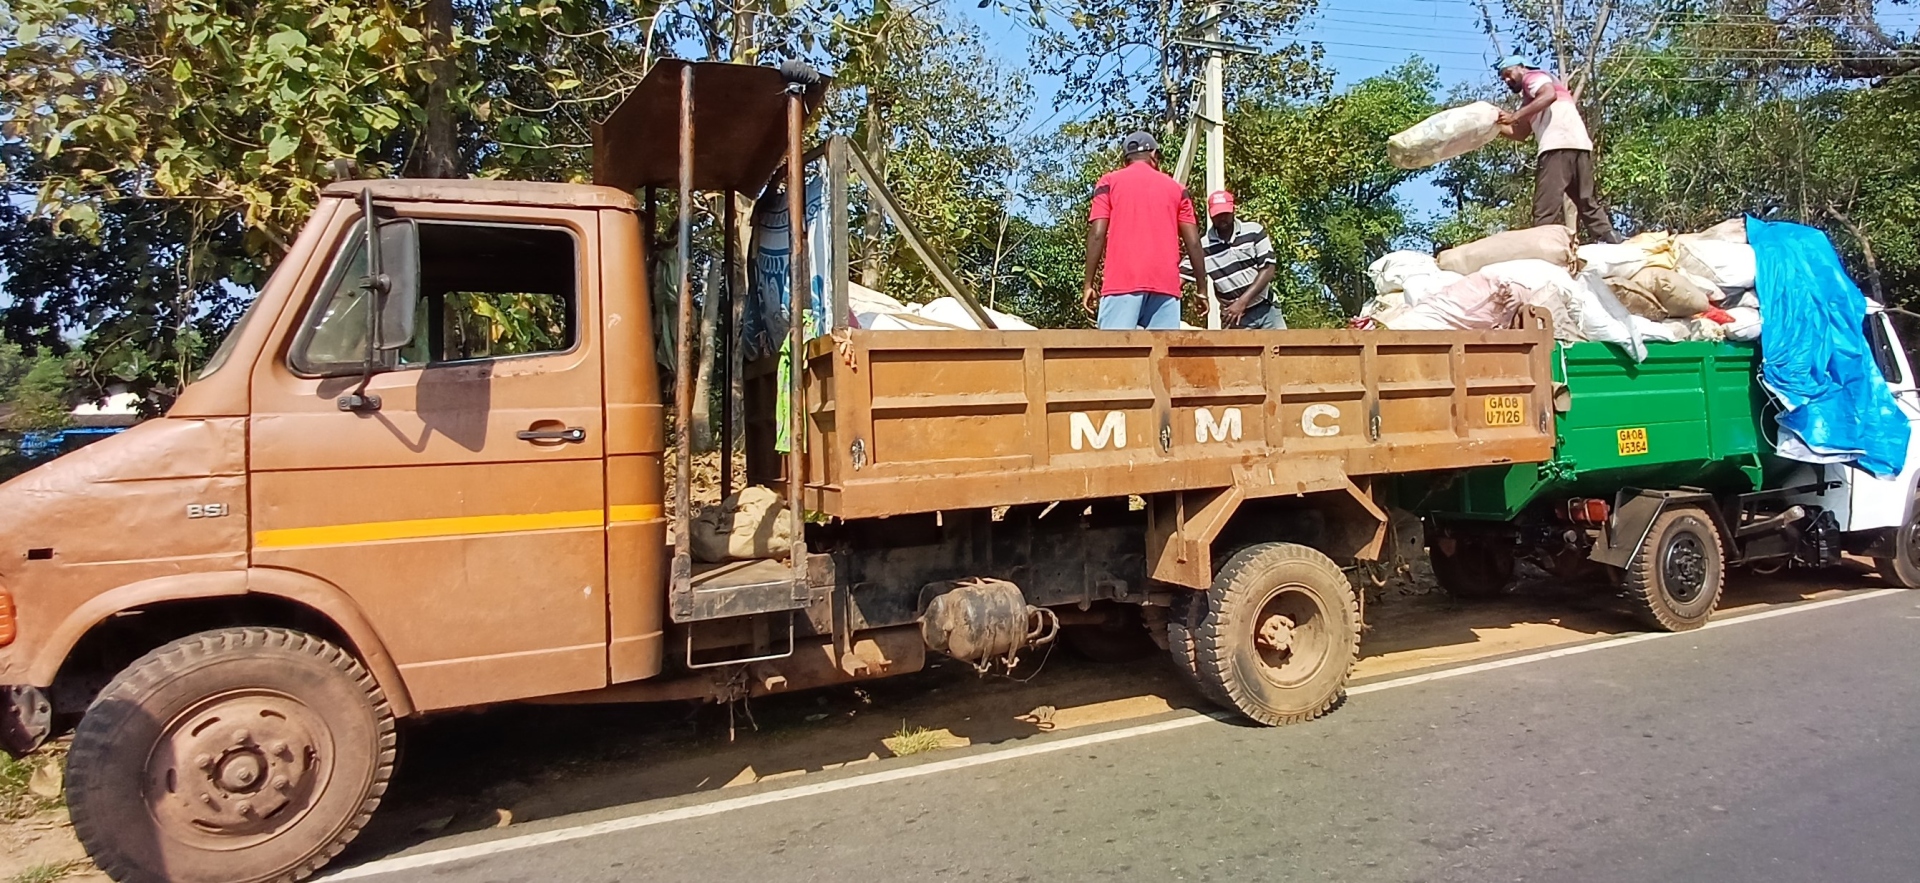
(1653, 287)
(877, 312)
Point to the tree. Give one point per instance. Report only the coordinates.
(1315, 173)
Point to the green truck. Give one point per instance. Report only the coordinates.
(1664, 475)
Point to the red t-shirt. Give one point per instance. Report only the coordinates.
(1144, 208)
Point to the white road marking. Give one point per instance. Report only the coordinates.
(717, 807)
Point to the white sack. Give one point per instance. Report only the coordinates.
(1729, 265)
(1553, 289)
(1445, 135)
(1391, 272)
(1602, 317)
(1746, 323)
(1648, 329)
(1474, 303)
(952, 312)
(1613, 261)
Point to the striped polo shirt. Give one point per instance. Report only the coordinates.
(1234, 264)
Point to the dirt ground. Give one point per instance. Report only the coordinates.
(466, 772)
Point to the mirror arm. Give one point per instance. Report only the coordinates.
(375, 286)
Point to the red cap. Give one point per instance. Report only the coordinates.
(1219, 201)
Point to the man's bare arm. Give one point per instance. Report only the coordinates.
(1096, 252)
(1197, 253)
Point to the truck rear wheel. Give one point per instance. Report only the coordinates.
(1675, 580)
(1278, 635)
(1904, 567)
(1471, 569)
(242, 755)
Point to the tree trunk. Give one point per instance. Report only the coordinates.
(439, 148)
(873, 268)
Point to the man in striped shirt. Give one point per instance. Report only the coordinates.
(1240, 263)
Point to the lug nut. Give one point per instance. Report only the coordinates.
(245, 809)
(206, 798)
(280, 783)
(204, 761)
(240, 736)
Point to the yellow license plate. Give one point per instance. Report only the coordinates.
(1633, 441)
(1504, 411)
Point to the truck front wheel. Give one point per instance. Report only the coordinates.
(1904, 567)
(1675, 579)
(1278, 635)
(241, 755)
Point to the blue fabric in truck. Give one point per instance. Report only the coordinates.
(1814, 356)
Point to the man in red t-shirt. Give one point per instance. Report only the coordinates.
(1145, 215)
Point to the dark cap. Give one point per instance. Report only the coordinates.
(1138, 142)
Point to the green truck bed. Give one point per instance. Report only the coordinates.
(1690, 415)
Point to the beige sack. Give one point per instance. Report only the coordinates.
(1552, 243)
(750, 524)
(1678, 296)
(1638, 299)
(1729, 230)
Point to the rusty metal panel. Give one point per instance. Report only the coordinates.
(739, 116)
(967, 419)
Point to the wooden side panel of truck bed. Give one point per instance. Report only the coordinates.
(920, 421)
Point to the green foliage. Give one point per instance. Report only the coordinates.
(1314, 171)
(37, 389)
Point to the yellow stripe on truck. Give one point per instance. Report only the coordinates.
(458, 526)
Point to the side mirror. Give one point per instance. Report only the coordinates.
(393, 282)
(400, 268)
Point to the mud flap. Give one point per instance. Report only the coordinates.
(1634, 511)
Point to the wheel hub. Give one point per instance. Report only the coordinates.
(1275, 635)
(1685, 568)
(1290, 637)
(237, 768)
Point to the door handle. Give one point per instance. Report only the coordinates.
(571, 434)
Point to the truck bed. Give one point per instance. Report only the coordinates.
(920, 421)
(1689, 415)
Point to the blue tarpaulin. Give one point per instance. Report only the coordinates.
(1814, 356)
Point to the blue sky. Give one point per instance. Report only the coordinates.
(1361, 38)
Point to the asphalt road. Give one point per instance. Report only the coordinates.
(1786, 749)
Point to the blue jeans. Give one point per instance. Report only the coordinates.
(1142, 309)
(1262, 315)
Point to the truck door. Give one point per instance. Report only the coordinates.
(1877, 502)
(466, 516)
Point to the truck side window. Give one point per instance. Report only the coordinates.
(487, 291)
(1906, 326)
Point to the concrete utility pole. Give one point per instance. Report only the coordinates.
(1216, 115)
(1210, 114)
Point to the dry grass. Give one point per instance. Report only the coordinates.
(914, 741)
(17, 801)
(48, 872)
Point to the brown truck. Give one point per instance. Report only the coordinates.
(374, 505)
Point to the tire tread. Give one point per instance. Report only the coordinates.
(1212, 639)
(93, 737)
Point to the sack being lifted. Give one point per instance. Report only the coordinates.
(1445, 135)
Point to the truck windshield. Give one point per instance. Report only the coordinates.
(225, 350)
